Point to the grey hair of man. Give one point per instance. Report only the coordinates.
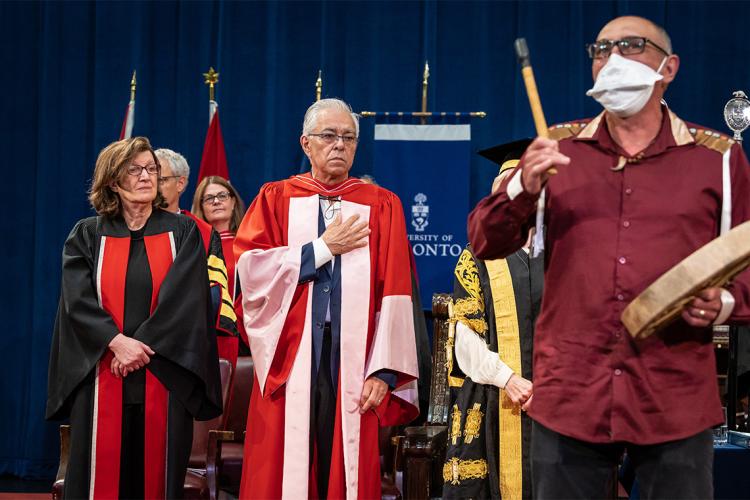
(178, 162)
(311, 116)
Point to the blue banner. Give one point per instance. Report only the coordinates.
(427, 166)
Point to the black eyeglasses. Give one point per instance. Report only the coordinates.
(165, 178)
(331, 138)
(136, 170)
(209, 199)
(628, 46)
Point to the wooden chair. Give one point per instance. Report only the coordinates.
(200, 479)
(391, 474)
(228, 446)
(424, 446)
(57, 486)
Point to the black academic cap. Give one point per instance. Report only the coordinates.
(503, 152)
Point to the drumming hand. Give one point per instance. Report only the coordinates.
(343, 237)
(131, 353)
(518, 389)
(541, 156)
(703, 309)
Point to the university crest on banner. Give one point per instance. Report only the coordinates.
(420, 212)
(427, 167)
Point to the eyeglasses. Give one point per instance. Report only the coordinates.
(211, 198)
(330, 138)
(165, 178)
(333, 208)
(136, 170)
(628, 46)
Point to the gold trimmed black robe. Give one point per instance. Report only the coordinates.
(488, 437)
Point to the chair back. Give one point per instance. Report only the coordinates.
(437, 412)
(201, 428)
(240, 399)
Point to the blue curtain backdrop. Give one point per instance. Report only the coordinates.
(67, 66)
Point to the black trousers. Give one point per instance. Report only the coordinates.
(567, 468)
(131, 451)
(179, 443)
(323, 416)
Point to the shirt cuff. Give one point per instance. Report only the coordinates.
(388, 377)
(502, 377)
(727, 306)
(514, 186)
(322, 254)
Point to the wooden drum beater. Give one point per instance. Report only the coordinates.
(522, 52)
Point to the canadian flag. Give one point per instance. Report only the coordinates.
(214, 159)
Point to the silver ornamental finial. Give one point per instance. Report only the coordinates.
(737, 114)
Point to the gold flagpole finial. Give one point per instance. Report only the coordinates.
(425, 76)
(319, 85)
(211, 79)
(132, 87)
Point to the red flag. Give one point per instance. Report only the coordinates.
(127, 124)
(214, 160)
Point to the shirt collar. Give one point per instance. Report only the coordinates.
(673, 132)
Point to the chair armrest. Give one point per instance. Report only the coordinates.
(218, 435)
(57, 486)
(64, 452)
(213, 457)
(425, 440)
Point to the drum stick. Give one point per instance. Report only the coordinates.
(522, 52)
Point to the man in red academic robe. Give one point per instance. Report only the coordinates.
(324, 268)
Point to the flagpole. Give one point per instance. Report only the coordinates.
(211, 79)
(423, 114)
(126, 131)
(319, 85)
(425, 76)
(132, 87)
(214, 158)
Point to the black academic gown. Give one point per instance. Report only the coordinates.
(473, 458)
(178, 329)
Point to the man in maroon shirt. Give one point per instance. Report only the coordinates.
(637, 189)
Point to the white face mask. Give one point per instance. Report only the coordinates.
(624, 86)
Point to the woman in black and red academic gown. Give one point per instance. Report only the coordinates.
(133, 357)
